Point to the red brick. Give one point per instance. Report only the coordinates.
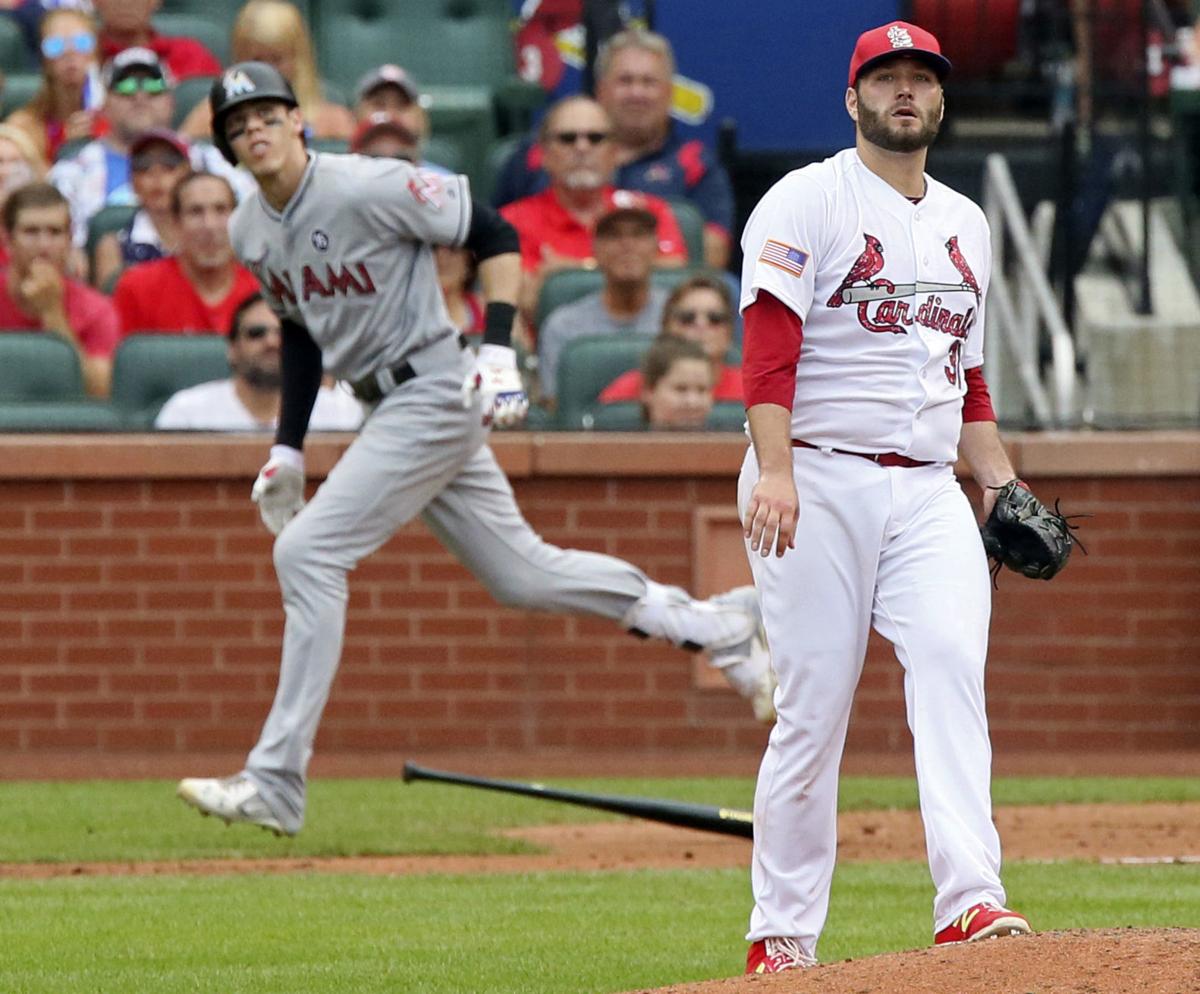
(143, 738)
(73, 519)
(105, 709)
(53, 685)
(102, 599)
(72, 737)
(55, 628)
(102, 546)
(45, 544)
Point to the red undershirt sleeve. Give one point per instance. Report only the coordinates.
(977, 404)
(771, 337)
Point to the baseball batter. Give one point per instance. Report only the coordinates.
(863, 295)
(343, 247)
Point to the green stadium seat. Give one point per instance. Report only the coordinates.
(464, 115)
(199, 24)
(15, 56)
(564, 285)
(19, 88)
(38, 366)
(727, 415)
(497, 154)
(188, 93)
(460, 43)
(149, 368)
(336, 145)
(111, 218)
(625, 416)
(691, 225)
(587, 366)
(59, 416)
(446, 152)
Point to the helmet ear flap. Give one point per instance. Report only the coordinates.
(241, 83)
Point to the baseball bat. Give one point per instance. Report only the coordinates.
(705, 817)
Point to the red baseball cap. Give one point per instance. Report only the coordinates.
(897, 38)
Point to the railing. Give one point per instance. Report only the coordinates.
(1019, 311)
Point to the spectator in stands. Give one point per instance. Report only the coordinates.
(677, 385)
(127, 24)
(66, 104)
(140, 98)
(700, 310)
(634, 70)
(456, 274)
(28, 14)
(555, 226)
(158, 159)
(389, 89)
(274, 31)
(198, 288)
(20, 163)
(249, 399)
(629, 303)
(38, 295)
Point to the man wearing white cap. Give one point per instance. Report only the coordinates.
(863, 293)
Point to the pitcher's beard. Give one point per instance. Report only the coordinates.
(875, 129)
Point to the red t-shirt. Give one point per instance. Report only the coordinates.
(89, 313)
(628, 386)
(156, 296)
(184, 56)
(541, 220)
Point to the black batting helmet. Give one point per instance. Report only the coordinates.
(239, 84)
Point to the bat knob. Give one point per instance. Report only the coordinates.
(410, 772)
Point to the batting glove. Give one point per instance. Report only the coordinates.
(500, 388)
(279, 489)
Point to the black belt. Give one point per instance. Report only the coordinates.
(883, 458)
(374, 387)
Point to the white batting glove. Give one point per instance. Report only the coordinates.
(499, 384)
(279, 489)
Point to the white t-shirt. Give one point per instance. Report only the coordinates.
(215, 406)
(891, 294)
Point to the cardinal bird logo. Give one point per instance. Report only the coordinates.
(960, 263)
(869, 262)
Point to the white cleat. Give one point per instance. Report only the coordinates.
(231, 799)
(747, 664)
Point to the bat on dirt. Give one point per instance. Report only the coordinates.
(706, 817)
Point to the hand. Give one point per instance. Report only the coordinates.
(43, 289)
(78, 125)
(772, 514)
(498, 382)
(279, 489)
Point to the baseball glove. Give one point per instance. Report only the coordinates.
(1024, 535)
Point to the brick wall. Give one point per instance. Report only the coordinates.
(139, 612)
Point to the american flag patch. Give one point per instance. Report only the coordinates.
(783, 256)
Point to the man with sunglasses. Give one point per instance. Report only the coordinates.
(556, 226)
(249, 399)
(140, 97)
(343, 246)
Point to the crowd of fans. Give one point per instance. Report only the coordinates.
(115, 224)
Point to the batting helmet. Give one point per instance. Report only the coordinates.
(239, 84)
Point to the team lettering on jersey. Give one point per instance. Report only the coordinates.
(343, 279)
(893, 312)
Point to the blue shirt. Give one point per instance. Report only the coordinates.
(683, 168)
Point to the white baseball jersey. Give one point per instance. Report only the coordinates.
(349, 257)
(891, 294)
(215, 406)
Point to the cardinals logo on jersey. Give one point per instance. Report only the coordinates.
(864, 286)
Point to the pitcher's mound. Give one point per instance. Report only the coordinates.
(1109, 961)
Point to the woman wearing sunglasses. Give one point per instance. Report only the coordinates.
(699, 310)
(66, 105)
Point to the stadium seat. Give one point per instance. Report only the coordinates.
(336, 145)
(15, 56)
(459, 43)
(727, 415)
(497, 154)
(19, 89)
(590, 364)
(38, 366)
(446, 152)
(188, 93)
(69, 149)
(625, 416)
(149, 368)
(691, 225)
(464, 114)
(60, 416)
(111, 218)
(211, 32)
(564, 285)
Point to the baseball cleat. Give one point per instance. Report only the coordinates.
(231, 799)
(776, 955)
(670, 613)
(983, 921)
(747, 664)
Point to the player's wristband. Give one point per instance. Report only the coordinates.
(498, 322)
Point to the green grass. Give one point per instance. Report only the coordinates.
(534, 934)
(125, 820)
(554, 933)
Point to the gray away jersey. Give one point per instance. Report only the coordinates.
(350, 256)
